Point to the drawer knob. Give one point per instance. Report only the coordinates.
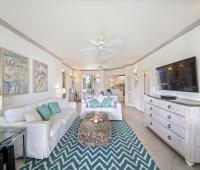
(151, 108)
(151, 115)
(169, 126)
(169, 137)
(169, 106)
(151, 100)
(151, 123)
(169, 117)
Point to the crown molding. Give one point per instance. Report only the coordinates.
(30, 40)
(176, 36)
(27, 38)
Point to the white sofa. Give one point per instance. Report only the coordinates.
(114, 112)
(42, 136)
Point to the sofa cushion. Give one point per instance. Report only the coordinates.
(93, 109)
(15, 115)
(55, 125)
(65, 114)
(106, 102)
(54, 107)
(109, 109)
(32, 115)
(44, 112)
(94, 103)
(100, 98)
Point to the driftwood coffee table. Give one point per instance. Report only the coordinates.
(95, 134)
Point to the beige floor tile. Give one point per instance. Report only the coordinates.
(179, 164)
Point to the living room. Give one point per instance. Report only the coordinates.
(99, 85)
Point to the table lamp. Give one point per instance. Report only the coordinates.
(60, 92)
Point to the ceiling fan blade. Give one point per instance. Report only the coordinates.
(88, 49)
(114, 42)
(112, 50)
(94, 42)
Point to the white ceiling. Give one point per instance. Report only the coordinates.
(63, 26)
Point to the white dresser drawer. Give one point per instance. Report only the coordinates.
(152, 124)
(152, 100)
(173, 127)
(151, 109)
(180, 109)
(174, 140)
(173, 117)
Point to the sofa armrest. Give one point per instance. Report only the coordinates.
(83, 108)
(119, 107)
(4, 124)
(38, 133)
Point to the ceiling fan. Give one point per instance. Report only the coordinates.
(101, 45)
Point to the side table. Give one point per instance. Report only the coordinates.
(7, 138)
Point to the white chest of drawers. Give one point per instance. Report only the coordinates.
(177, 124)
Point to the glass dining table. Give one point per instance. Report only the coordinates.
(7, 138)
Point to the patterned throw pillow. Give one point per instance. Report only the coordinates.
(106, 102)
(44, 112)
(94, 103)
(54, 107)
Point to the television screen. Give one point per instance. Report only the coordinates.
(179, 76)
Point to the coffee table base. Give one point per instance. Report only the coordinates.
(95, 134)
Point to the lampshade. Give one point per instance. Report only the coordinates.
(60, 91)
(1, 102)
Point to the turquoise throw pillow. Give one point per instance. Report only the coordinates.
(44, 112)
(106, 102)
(54, 107)
(94, 103)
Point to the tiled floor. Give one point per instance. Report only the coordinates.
(165, 157)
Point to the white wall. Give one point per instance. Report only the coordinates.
(184, 47)
(12, 42)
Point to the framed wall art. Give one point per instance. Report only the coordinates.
(40, 76)
(15, 73)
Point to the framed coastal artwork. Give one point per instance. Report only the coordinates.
(15, 73)
(40, 76)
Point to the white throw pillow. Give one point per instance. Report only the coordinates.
(63, 104)
(15, 115)
(32, 115)
(53, 100)
(41, 103)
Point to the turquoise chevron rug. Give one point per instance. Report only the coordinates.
(124, 153)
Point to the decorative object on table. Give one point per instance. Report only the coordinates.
(40, 76)
(60, 92)
(15, 73)
(7, 138)
(95, 130)
(125, 152)
(96, 115)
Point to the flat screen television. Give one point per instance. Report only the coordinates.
(178, 76)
